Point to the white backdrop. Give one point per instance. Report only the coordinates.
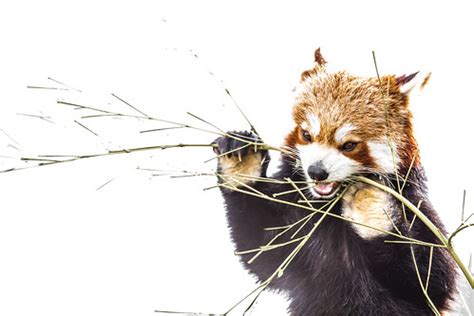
(71, 247)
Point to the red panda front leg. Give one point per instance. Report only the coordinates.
(249, 215)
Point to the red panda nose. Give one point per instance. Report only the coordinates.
(317, 172)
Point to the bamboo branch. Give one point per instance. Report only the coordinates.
(125, 102)
(63, 84)
(425, 293)
(47, 159)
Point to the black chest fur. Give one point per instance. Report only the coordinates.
(337, 272)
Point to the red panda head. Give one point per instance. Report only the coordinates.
(347, 125)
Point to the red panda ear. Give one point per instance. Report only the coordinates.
(417, 80)
(318, 57)
(403, 79)
(319, 61)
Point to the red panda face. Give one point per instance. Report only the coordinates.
(347, 125)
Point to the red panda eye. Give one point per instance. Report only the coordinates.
(349, 146)
(306, 136)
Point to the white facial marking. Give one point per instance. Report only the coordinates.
(382, 154)
(304, 126)
(343, 131)
(338, 166)
(314, 124)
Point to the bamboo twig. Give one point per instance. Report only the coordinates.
(46, 88)
(433, 308)
(71, 158)
(63, 84)
(125, 102)
(389, 131)
(428, 273)
(42, 117)
(227, 91)
(463, 205)
(205, 121)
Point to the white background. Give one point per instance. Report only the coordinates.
(143, 242)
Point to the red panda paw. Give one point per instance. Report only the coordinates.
(370, 207)
(240, 157)
(237, 144)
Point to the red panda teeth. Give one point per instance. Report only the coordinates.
(325, 188)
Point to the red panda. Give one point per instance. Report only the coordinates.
(344, 126)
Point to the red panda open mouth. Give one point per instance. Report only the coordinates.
(326, 189)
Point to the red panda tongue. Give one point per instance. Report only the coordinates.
(325, 188)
